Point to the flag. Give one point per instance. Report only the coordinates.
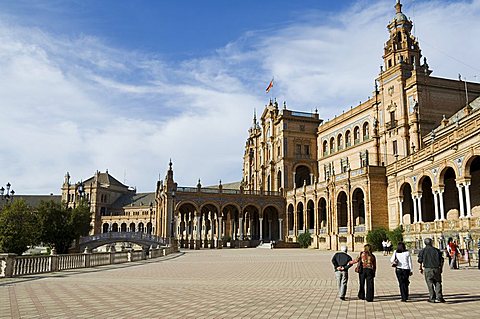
(270, 86)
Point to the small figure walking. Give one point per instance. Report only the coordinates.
(431, 264)
(341, 262)
(367, 266)
(384, 247)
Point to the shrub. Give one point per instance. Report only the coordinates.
(395, 236)
(305, 239)
(375, 238)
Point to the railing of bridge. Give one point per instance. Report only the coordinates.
(12, 265)
(124, 236)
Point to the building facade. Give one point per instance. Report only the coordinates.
(408, 156)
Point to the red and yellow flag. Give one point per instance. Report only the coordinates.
(269, 87)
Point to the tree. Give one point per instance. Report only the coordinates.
(395, 236)
(60, 225)
(18, 227)
(375, 238)
(305, 239)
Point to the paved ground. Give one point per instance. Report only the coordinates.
(230, 283)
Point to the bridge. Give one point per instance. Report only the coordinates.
(139, 238)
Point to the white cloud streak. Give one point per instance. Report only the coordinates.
(78, 105)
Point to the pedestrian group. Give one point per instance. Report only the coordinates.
(429, 258)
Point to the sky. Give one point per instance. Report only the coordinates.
(126, 85)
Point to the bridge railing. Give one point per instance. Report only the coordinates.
(12, 265)
(124, 236)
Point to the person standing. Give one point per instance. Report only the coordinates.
(389, 246)
(368, 267)
(431, 265)
(384, 247)
(341, 262)
(453, 249)
(403, 268)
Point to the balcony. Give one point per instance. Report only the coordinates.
(391, 125)
(342, 230)
(359, 229)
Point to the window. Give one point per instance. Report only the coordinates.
(365, 131)
(306, 149)
(332, 145)
(339, 142)
(298, 149)
(390, 63)
(395, 148)
(356, 135)
(325, 148)
(278, 151)
(347, 139)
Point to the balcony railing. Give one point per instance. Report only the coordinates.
(225, 191)
(359, 229)
(342, 230)
(391, 125)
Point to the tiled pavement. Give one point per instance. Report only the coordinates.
(230, 283)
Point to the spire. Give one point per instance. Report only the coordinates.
(398, 7)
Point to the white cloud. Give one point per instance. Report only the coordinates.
(79, 105)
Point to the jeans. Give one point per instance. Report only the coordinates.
(342, 279)
(366, 279)
(433, 278)
(403, 276)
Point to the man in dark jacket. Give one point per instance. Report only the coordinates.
(341, 263)
(431, 264)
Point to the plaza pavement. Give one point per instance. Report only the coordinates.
(231, 283)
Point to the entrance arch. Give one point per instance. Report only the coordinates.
(474, 188)
(302, 176)
(114, 227)
(358, 203)
(230, 215)
(300, 223)
(123, 227)
(342, 212)
(310, 217)
(428, 207)
(186, 212)
(407, 203)
(290, 219)
(105, 228)
(322, 212)
(450, 195)
(251, 222)
(270, 225)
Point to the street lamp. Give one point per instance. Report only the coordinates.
(6, 194)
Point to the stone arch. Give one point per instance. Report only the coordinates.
(325, 148)
(231, 214)
(270, 226)
(300, 221)
(105, 228)
(186, 202)
(186, 211)
(131, 227)
(358, 206)
(231, 204)
(114, 228)
(342, 209)
(310, 225)
(427, 201)
(356, 135)
(348, 138)
(448, 179)
(339, 141)
(290, 213)
(302, 175)
(209, 205)
(473, 170)
(149, 228)
(322, 212)
(141, 227)
(366, 130)
(251, 221)
(123, 227)
(407, 203)
(332, 145)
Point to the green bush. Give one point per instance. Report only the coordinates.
(375, 238)
(305, 239)
(395, 236)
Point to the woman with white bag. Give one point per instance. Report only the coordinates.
(402, 261)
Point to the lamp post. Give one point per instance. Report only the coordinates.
(7, 194)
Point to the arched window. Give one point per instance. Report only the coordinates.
(356, 135)
(339, 142)
(348, 139)
(325, 148)
(332, 145)
(366, 132)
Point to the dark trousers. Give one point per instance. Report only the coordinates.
(403, 276)
(366, 279)
(433, 278)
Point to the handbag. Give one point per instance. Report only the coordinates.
(359, 267)
(395, 261)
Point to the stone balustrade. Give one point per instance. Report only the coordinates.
(12, 265)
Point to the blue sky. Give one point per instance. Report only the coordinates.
(126, 85)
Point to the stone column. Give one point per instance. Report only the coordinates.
(435, 203)
(240, 223)
(295, 221)
(270, 229)
(420, 217)
(415, 213)
(198, 239)
(467, 199)
(460, 200)
(400, 204)
(219, 232)
(261, 230)
(280, 232)
(440, 199)
(234, 230)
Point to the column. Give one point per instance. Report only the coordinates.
(440, 199)
(419, 199)
(280, 232)
(270, 229)
(400, 205)
(240, 223)
(234, 230)
(293, 181)
(460, 200)
(415, 213)
(295, 221)
(219, 228)
(261, 230)
(435, 202)
(467, 199)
